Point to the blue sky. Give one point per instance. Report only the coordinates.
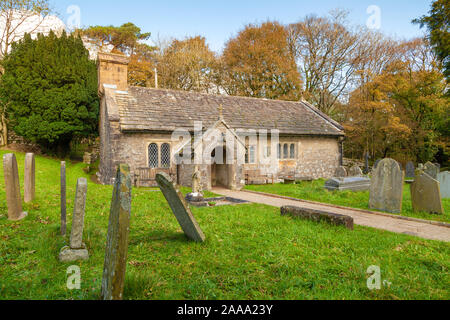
(220, 20)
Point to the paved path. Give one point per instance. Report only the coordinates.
(391, 223)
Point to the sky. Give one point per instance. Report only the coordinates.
(218, 21)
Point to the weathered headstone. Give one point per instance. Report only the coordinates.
(355, 171)
(12, 186)
(77, 249)
(317, 216)
(30, 178)
(431, 169)
(63, 200)
(444, 180)
(410, 170)
(341, 172)
(117, 240)
(179, 208)
(386, 189)
(426, 195)
(352, 184)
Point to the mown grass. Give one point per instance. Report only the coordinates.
(315, 191)
(251, 252)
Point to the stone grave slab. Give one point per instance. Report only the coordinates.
(426, 195)
(444, 180)
(352, 184)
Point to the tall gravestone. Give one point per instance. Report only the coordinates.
(117, 239)
(63, 200)
(341, 172)
(431, 169)
(426, 195)
(30, 178)
(444, 180)
(386, 188)
(355, 171)
(410, 170)
(12, 186)
(179, 208)
(77, 249)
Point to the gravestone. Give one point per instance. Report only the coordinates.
(355, 171)
(318, 215)
(426, 195)
(12, 186)
(30, 178)
(352, 184)
(431, 169)
(117, 239)
(341, 172)
(77, 249)
(410, 170)
(63, 200)
(179, 208)
(386, 188)
(444, 180)
(366, 163)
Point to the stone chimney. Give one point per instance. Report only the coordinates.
(113, 71)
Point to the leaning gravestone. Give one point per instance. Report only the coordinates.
(179, 208)
(410, 170)
(341, 172)
(77, 249)
(117, 240)
(444, 180)
(431, 169)
(12, 186)
(355, 171)
(386, 188)
(426, 195)
(63, 200)
(30, 178)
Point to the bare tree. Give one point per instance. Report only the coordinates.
(326, 52)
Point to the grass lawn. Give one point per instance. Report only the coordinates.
(251, 252)
(315, 191)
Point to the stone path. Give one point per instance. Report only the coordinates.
(415, 227)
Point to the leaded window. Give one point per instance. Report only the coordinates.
(292, 151)
(165, 155)
(279, 151)
(153, 156)
(286, 151)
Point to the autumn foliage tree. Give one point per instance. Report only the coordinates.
(258, 63)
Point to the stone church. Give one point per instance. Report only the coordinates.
(137, 124)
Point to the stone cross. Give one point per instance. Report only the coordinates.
(426, 194)
(341, 172)
(431, 169)
(386, 188)
(444, 180)
(63, 200)
(12, 186)
(30, 178)
(117, 239)
(77, 249)
(179, 208)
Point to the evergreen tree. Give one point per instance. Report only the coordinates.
(50, 88)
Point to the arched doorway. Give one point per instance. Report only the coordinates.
(222, 173)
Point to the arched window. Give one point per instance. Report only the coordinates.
(286, 151)
(165, 155)
(292, 151)
(153, 156)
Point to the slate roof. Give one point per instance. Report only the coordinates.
(150, 110)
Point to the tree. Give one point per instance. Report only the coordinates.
(188, 65)
(437, 23)
(15, 15)
(50, 86)
(259, 63)
(127, 39)
(326, 52)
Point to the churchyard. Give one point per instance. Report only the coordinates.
(250, 251)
